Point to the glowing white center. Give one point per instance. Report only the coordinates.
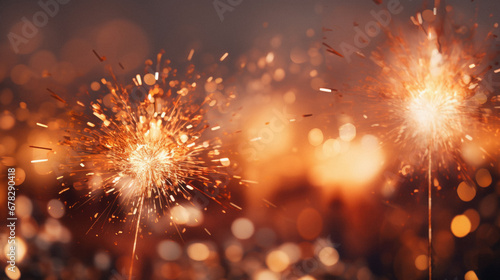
(425, 113)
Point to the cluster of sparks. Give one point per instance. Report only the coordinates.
(432, 94)
(430, 97)
(147, 146)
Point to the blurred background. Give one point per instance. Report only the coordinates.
(326, 199)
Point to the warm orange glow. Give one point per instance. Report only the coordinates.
(466, 192)
(460, 226)
(277, 261)
(242, 228)
(315, 137)
(266, 275)
(328, 256)
(309, 223)
(14, 275)
(21, 250)
(198, 251)
(169, 250)
(347, 165)
(483, 178)
(234, 253)
(186, 214)
(474, 218)
(470, 275)
(55, 208)
(421, 262)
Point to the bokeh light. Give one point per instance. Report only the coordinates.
(421, 262)
(328, 256)
(169, 250)
(242, 228)
(483, 178)
(55, 208)
(466, 192)
(309, 223)
(460, 226)
(198, 251)
(277, 260)
(470, 275)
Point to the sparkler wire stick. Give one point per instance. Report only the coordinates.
(135, 240)
(429, 204)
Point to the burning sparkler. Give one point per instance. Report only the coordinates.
(429, 96)
(434, 99)
(146, 145)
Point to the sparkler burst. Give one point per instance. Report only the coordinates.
(432, 94)
(151, 149)
(436, 101)
(147, 145)
(149, 152)
(429, 96)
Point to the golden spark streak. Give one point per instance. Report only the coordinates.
(224, 56)
(190, 56)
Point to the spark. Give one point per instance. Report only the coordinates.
(190, 56)
(39, 160)
(41, 148)
(224, 56)
(139, 80)
(250, 181)
(101, 58)
(63, 190)
(269, 203)
(56, 97)
(235, 206)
